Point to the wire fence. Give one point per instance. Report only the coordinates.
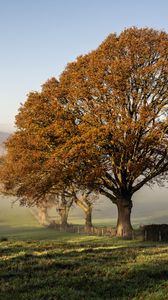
(98, 231)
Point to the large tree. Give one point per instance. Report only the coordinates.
(119, 95)
(103, 127)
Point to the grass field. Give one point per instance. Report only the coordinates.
(39, 263)
(79, 267)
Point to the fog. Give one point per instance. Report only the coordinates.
(149, 206)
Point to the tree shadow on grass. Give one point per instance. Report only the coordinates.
(101, 274)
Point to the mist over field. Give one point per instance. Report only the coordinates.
(149, 206)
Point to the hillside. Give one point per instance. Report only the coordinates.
(3, 138)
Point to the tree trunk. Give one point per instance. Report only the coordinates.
(124, 227)
(63, 207)
(88, 218)
(63, 212)
(43, 216)
(87, 208)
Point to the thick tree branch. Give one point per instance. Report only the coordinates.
(108, 195)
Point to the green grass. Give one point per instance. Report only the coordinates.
(79, 267)
(39, 263)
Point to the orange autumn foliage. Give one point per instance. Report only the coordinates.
(120, 95)
(103, 127)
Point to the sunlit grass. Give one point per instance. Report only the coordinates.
(83, 268)
(44, 264)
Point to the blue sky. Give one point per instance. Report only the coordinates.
(39, 37)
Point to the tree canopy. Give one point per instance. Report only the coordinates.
(120, 95)
(104, 126)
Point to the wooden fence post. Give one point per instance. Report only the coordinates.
(145, 235)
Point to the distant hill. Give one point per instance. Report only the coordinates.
(3, 138)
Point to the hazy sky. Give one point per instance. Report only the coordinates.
(39, 37)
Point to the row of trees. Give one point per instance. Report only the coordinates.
(101, 129)
(63, 204)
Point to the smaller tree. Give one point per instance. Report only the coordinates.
(63, 205)
(85, 200)
(40, 212)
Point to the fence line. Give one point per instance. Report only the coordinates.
(152, 232)
(155, 232)
(98, 231)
